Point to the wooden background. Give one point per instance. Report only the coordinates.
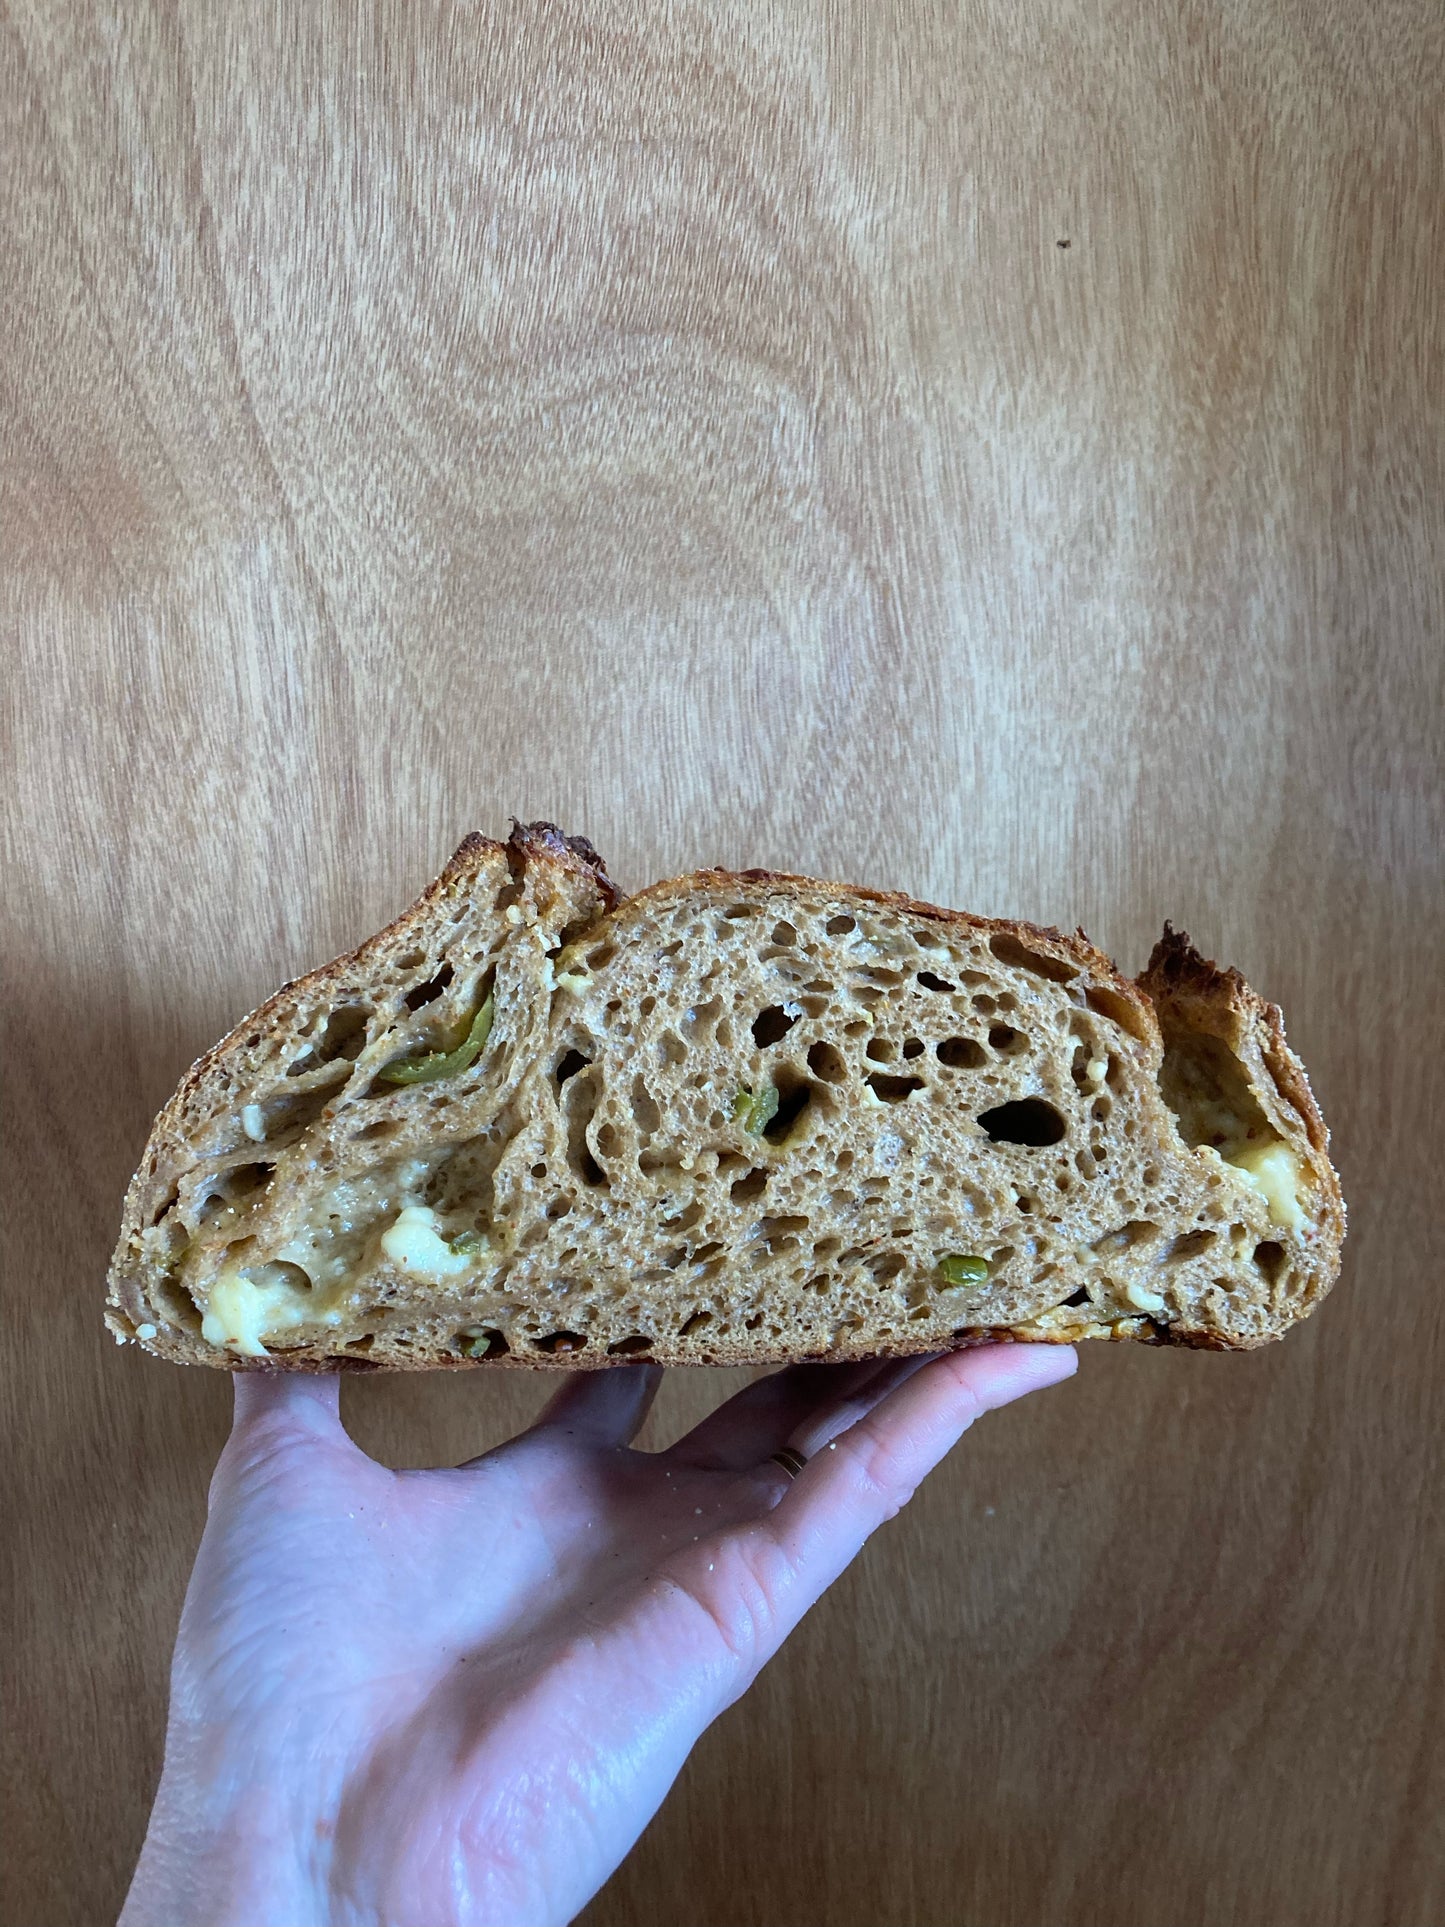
(995, 449)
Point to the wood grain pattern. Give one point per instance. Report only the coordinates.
(995, 450)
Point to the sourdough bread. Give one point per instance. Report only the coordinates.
(737, 1118)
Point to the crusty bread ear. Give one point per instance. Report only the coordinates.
(736, 1119)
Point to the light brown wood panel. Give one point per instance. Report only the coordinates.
(991, 449)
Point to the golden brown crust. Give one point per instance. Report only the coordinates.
(540, 846)
(529, 841)
(1072, 952)
(1221, 1004)
(1179, 991)
(1190, 994)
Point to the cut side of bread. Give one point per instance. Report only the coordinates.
(737, 1118)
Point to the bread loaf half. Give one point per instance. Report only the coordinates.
(733, 1119)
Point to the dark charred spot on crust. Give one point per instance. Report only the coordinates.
(528, 839)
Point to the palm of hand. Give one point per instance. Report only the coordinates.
(459, 1695)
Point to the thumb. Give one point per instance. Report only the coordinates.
(279, 1416)
(281, 1402)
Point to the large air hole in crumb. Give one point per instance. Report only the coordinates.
(1004, 1039)
(1138, 1231)
(1076, 1298)
(166, 1204)
(775, 1231)
(630, 1347)
(671, 1048)
(700, 1019)
(176, 1306)
(236, 1185)
(1011, 950)
(645, 1112)
(569, 1064)
(562, 1342)
(931, 982)
(795, 1095)
(1118, 1008)
(913, 1047)
(1206, 1087)
(1027, 1121)
(893, 1090)
(839, 926)
(826, 1061)
(384, 1127)
(342, 1035)
(698, 1322)
(882, 1050)
(483, 1344)
(772, 1024)
(580, 1096)
(685, 1219)
(293, 1114)
(961, 1054)
(785, 934)
(427, 993)
(885, 1267)
(745, 1189)
(1189, 1246)
(1270, 1258)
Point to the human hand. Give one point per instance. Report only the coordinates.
(458, 1696)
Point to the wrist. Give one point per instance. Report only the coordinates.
(230, 1843)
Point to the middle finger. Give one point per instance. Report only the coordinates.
(766, 1414)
